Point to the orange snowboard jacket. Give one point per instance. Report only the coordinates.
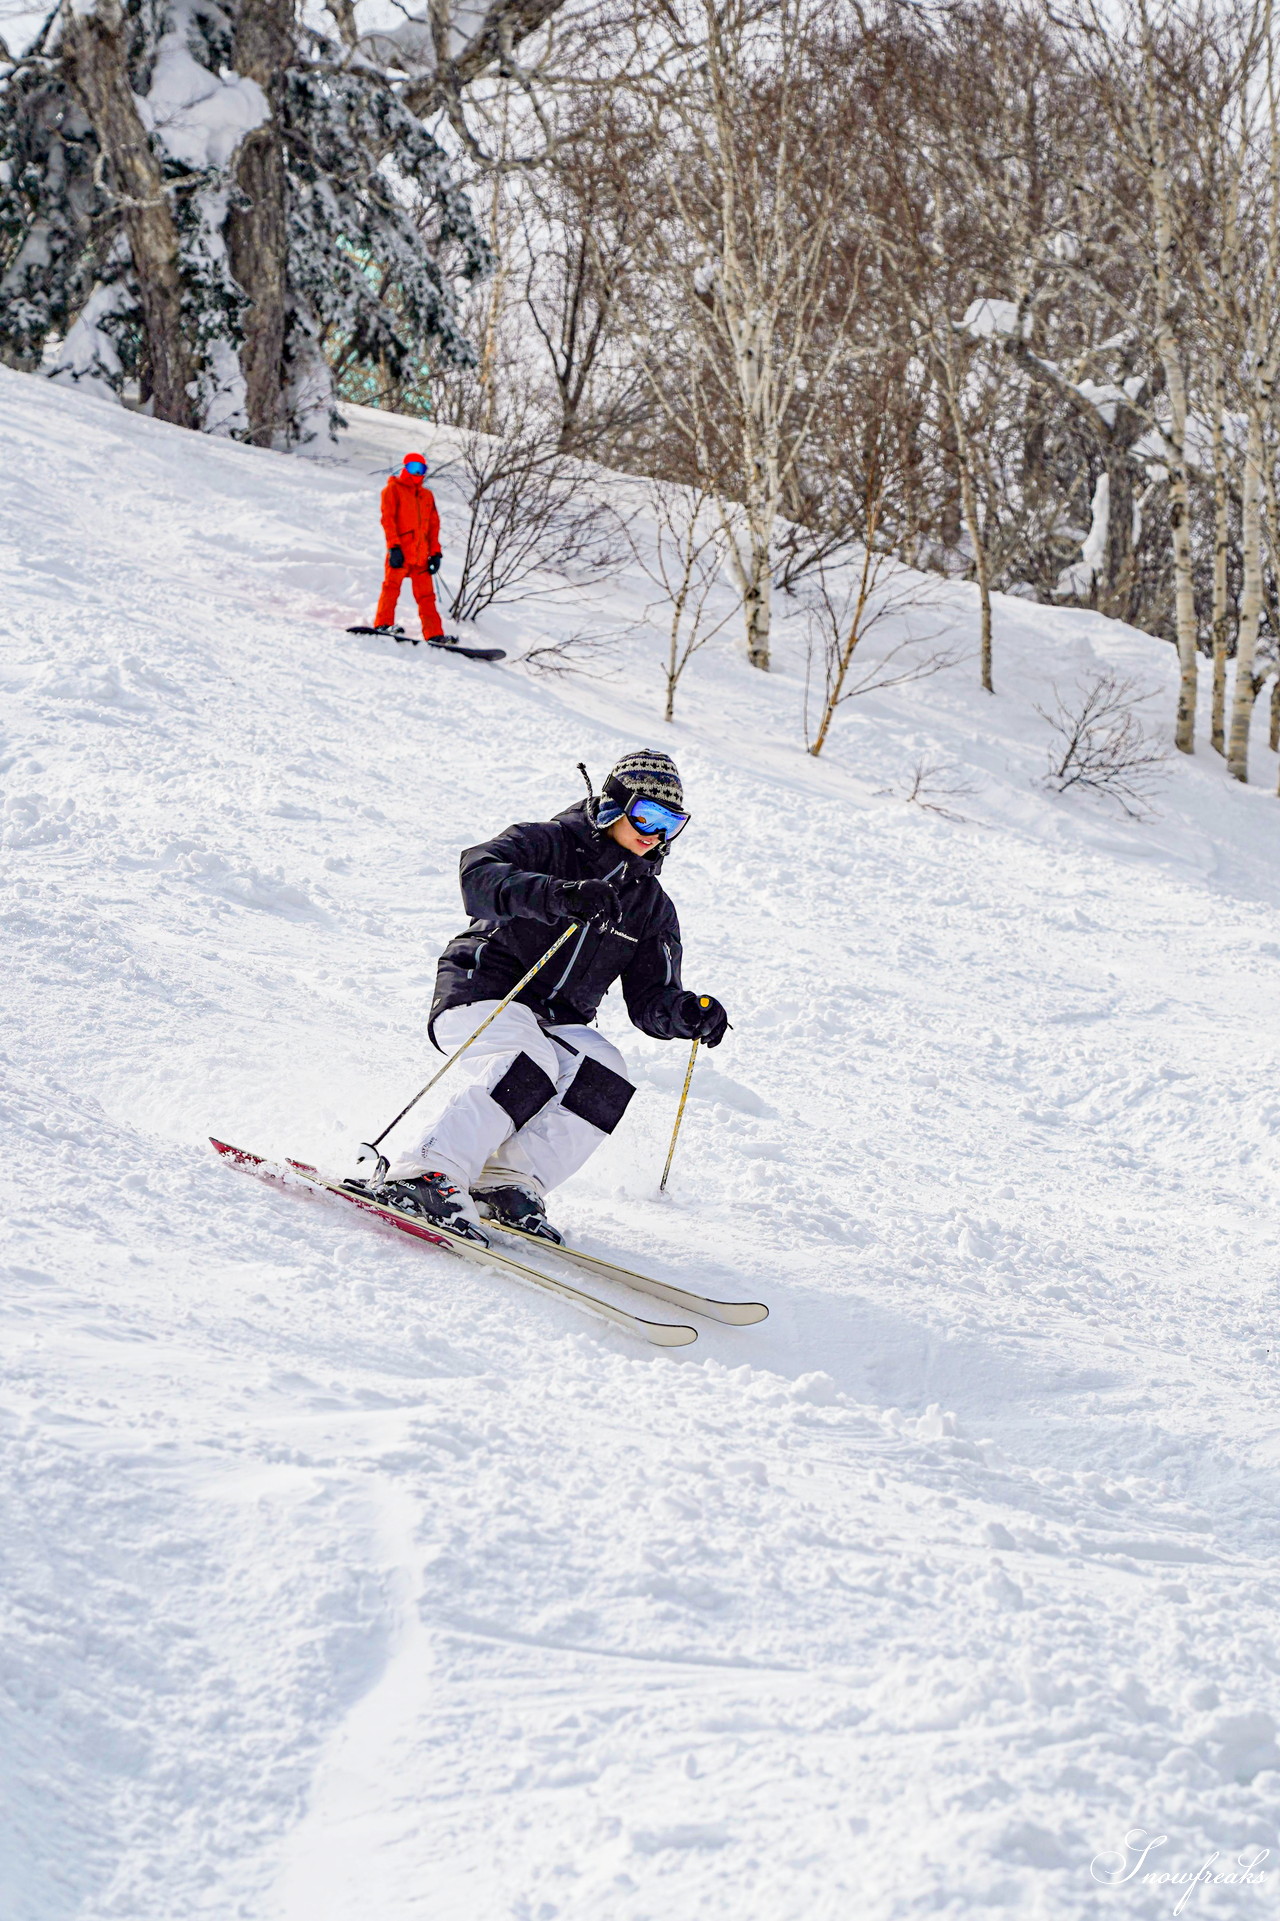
(410, 520)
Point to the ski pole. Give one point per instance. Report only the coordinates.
(671, 1151)
(374, 1145)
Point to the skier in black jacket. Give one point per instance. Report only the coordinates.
(546, 1086)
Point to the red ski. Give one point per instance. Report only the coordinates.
(297, 1174)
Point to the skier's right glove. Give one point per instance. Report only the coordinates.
(396, 556)
(586, 900)
(698, 1023)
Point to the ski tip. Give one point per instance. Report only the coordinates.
(667, 1334)
(240, 1155)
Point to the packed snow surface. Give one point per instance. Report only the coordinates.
(342, 1581)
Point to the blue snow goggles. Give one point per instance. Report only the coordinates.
(415, 466)
(652, 817)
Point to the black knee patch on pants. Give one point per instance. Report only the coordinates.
(523, 1089)
(598, 1095)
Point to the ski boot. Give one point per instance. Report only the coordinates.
(516, 1207)
(434, 1198)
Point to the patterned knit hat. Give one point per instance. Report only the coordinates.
(649, 772)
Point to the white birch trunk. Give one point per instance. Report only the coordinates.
(1243, 695)
(1168, 348)
(761, 425)
(1221, 550)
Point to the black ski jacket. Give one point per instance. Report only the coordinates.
(507, 888)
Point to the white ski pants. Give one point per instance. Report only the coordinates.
(538, 1103)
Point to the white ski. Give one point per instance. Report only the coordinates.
(735, 1313)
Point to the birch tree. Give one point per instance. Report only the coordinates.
(1142, 57)
(753, 177)
(1260, 304)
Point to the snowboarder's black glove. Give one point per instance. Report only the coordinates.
(589, 900)
(698, 1023)
(396, 556)
(433, 563)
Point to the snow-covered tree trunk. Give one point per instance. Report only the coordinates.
(1261, 303)
(1169, 350)
(973, 524)
(752, 197)
(1261, 410)
(1184, 736)
(1222, 305)
(97, 48)
(487, 372)
(951, 380)
(257, 236)
(753, 572)
(1244, 692)
(1221, 552)
(752, 560)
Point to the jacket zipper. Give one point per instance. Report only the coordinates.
(573, 955)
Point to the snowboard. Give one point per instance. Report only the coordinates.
(449, 643)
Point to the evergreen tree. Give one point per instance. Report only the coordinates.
(201, 197)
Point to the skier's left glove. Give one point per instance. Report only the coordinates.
(698, 1023)
(433, 563)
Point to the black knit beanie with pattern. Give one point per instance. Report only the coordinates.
(647, 771)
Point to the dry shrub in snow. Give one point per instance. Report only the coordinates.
(531, 511)
(582, 652)
(1101, 744)
(683, 551)
(931, 784)
(840, 615)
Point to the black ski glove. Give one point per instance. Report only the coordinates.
(396, 556)
(698, 1023)
(586, 900)
(433, 563)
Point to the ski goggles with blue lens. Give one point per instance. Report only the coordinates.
(415, 466)
(652, 817)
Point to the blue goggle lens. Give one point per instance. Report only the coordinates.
(414, 467)
(651, 817)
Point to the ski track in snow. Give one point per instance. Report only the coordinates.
(340, 1579)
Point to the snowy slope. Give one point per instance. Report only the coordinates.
(339, 1580)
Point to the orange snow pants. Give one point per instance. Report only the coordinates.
(423, 592)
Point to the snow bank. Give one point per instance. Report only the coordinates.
(341, 1580)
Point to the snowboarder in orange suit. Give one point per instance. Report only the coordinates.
(412, 527)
